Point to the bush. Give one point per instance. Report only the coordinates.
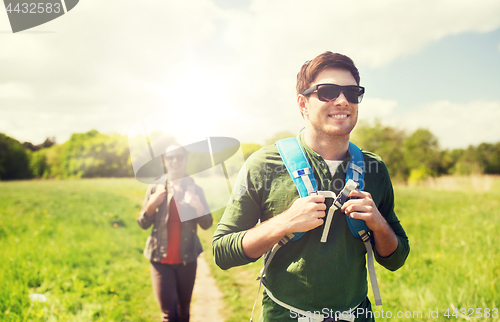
(38, 163)
(422, 155)
(385, 141)
(14, 159)
(93, 154)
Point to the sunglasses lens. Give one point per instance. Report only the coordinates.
(328, 92)
(353, 94)
(179, 157)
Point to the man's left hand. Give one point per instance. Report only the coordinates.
(361, 206)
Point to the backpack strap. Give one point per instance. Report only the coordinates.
(299, 169)
(303, 176)
(355, 171)
(358, 228)
(297, 165)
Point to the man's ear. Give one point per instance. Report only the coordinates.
(303, 104)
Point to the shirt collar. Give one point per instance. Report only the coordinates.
(313, 154)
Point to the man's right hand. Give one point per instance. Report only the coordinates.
(155, 200)
(304, 214)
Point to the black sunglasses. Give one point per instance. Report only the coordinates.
(178, 157)
(329, 92)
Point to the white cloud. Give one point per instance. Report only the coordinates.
(111, 63)
(374, 33)
(376, 108)
(459, 125)
(16, 91)
(455, 125)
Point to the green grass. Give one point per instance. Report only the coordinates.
(454, 258)
(454, 252)
(238, 284)
(77, 242)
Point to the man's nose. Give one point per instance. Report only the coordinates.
(341, 100)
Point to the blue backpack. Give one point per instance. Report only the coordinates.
(302, 175)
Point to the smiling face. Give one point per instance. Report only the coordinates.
(176, 158)
(332, 119)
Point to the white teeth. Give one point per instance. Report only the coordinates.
(339, 116)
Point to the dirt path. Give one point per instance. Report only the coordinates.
(207, 299)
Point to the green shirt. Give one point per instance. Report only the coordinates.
(306, 273)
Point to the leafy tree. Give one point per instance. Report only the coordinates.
(422, 154)
(53, 159)
(14, 159)
(385, 141)
(447, 162)
(93, 154)
(38, 164)
(46, 144)
(485, 158)
(489, 157)
(494, 160)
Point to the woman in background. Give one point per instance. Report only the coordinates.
(175, 209)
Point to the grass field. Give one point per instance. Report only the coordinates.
(77, 243)
(453, 226)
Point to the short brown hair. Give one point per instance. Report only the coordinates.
(312, 68)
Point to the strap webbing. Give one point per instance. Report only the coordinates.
(306, 180)
(266, 260)
(345, 316)
(294, 309)
(337, 203)
(371, 267)
(270, 254)
(328, 223)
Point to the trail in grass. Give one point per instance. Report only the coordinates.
(207, 302)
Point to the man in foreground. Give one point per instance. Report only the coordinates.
(307, 274)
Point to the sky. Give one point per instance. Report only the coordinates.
(199, 68)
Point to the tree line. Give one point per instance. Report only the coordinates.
(410, 157)
(84, 155)
(417, 155)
